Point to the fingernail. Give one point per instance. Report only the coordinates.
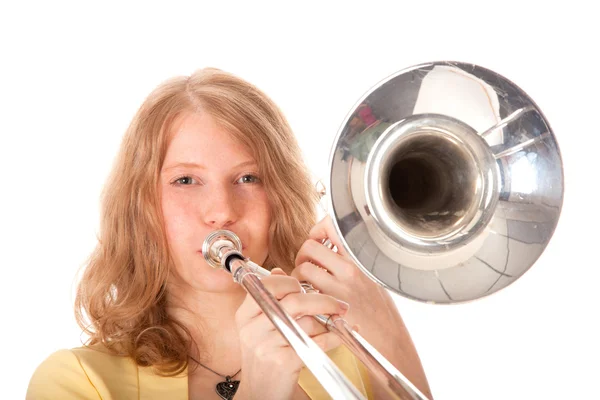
(344, 306)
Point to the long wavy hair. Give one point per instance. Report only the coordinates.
(121, 297)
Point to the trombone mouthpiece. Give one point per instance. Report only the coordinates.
(219, 245)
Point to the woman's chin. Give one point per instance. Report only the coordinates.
(217, 280)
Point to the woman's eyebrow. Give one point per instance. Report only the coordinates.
(200, 166)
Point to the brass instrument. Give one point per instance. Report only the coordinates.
(446, 185)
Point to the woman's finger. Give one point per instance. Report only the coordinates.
(311, 326)
(296, 305)
(299, 305)
(317, 276)
(273, 349)
(274, 340)
(278, 285)
(327, 341)
(324, 229)
(278, 271)
(336, 264)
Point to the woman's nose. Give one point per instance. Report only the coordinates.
(220, 209)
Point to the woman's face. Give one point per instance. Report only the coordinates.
(209, 181)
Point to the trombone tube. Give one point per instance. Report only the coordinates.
(315, 359)
(392, 379)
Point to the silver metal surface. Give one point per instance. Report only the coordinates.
(218, 244)
(446, 182)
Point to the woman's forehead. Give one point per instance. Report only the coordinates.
(198, 136)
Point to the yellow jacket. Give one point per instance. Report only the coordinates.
(94, 373)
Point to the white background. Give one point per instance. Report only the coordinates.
(73, 74)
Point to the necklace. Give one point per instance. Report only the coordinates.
(226, 390)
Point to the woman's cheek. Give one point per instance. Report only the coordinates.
(177, 214)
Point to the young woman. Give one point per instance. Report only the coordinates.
(206, 152)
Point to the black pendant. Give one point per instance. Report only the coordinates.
(226, 390)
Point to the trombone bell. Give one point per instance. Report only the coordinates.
(446, 182)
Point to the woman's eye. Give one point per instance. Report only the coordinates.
(249, 179)
(184, 180)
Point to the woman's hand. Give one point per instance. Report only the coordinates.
(270, 367)
(335, 274)
(371, 306)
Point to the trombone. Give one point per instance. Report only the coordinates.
(222, 247)
(436, 174)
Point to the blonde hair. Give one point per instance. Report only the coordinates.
(121, 298)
